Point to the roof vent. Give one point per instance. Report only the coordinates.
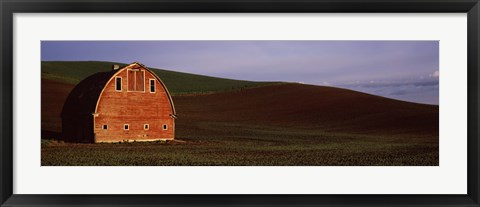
(116, 67)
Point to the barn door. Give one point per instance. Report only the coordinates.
(136, 80)
(131, 80)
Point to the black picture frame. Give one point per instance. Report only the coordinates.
(9, 7)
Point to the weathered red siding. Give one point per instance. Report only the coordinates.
(134, 107)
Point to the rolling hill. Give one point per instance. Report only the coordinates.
(72, 72)
(309, 106)
(247, 102)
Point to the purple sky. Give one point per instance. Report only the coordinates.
(405, 70)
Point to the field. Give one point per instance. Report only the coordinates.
(253, 147)
(259, 124)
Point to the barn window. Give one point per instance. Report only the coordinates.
(165, 127)
(118, 83)
(136, 80)
(145, 126)
(152, 85)
(105, 127)
(125, 127)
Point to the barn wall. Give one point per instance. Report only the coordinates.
(134, 108)
(78, 129)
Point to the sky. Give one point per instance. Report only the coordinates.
(404, 70)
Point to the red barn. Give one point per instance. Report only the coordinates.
(125, 104)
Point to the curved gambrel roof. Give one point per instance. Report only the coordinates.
(84, 98)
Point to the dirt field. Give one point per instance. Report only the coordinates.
(282, 125)
(54, 95)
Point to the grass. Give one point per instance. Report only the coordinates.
(220, 144)
(178, 83)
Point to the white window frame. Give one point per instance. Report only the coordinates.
(103, 127)
(121, 83)
(126, 125)
(146, 127)
(165, 127)
(150, 85)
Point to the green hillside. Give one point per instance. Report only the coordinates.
(177, 82)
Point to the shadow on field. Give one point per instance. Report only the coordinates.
(46, 134)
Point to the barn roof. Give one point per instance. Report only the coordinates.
(83, 99)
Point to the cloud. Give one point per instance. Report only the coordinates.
(435, 74)
(420, 91)
(387, 84)
(325, 83)
(399, 93)
(426, 83)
